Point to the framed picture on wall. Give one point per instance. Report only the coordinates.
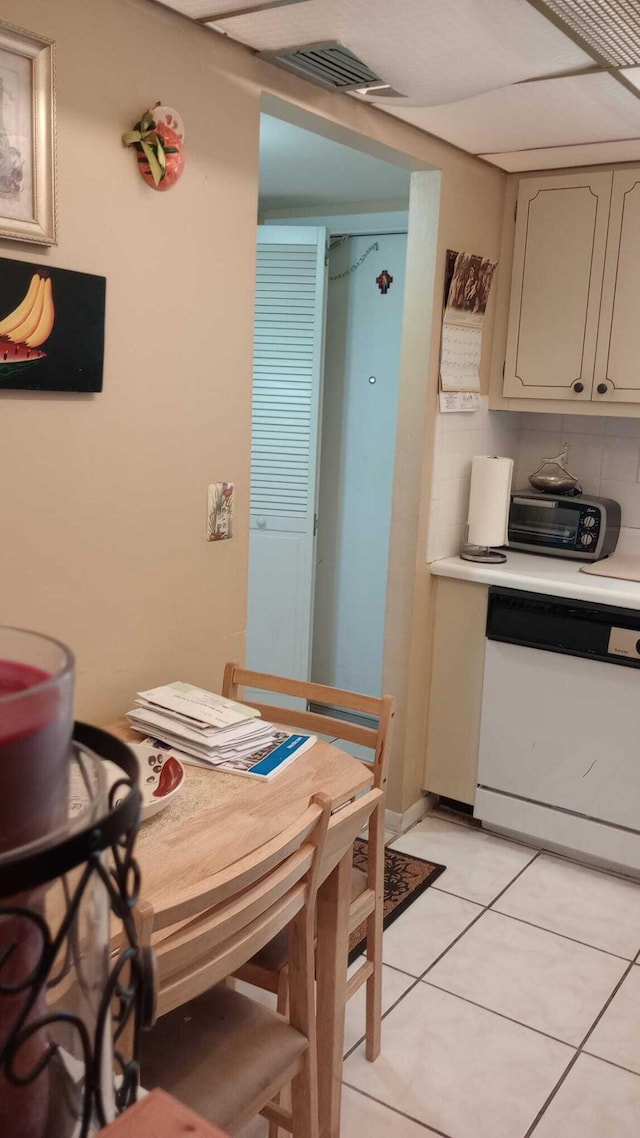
(27, 137)
(51, 328)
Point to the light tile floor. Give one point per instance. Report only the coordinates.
(512, 1000)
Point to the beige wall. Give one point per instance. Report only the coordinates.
(103, 506)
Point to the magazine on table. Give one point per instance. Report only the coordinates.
(267, 758)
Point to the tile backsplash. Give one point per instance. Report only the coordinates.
(604, 453)
(459, 436)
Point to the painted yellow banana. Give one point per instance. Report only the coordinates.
(30, 323)
(15, 318)
(45, 325)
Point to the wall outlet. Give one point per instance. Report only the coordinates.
(219, 511)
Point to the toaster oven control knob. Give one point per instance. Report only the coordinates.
(578, 387)
(589, 521)
(587, 539)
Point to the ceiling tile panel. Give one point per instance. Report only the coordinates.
(198, 9)
(494, 77)
(433, 51)
(551, 112)
(312, 22)
(439, 52)
(633, 75)
(556, 157)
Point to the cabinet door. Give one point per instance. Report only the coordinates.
(561, 230)
(617, 372)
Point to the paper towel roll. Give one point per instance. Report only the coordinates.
(489, 500)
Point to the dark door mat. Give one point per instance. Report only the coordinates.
(405, 878)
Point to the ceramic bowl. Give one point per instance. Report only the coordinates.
(161, 776)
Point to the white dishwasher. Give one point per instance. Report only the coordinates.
(559, 757)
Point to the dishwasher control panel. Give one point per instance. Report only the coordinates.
(625, 642)
(558, 624)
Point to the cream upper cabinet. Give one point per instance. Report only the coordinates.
(558, 267)
(617, 370)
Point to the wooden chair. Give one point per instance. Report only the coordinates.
(221, 1053)
(269, 969)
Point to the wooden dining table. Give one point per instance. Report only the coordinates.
(219, 818)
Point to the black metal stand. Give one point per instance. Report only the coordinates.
(128, 996)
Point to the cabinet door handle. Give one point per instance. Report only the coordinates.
(602, 388)
(578, 387)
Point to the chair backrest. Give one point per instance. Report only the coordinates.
(241, 909)
(345, 825)
(382, 708)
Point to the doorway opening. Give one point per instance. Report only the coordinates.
(332, 245)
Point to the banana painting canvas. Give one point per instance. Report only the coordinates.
(51, 328)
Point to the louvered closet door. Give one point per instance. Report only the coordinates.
(287, 384)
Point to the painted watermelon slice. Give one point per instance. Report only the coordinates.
(15, 357)
(11, 353)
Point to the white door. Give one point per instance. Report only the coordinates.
(364, 332)
(287, 382)
(558, 263)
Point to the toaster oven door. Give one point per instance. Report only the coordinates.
(544, 525)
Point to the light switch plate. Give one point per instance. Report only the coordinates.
(220, 511)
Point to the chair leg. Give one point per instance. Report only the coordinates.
(374, 937)
(302, 1015)
(282, 1007)
(274, 1129)
(304, 1099)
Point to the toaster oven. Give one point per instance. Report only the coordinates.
(583, 527)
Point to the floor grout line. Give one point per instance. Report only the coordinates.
(439, 889)
(579, 1051)
(474, 829)
(502, 1015)
(606, 1005)
(438, 958)
(564, 936)
(354, 1047)
(489, 907)
(619, 874)
(487, 904)
(604, 872)
(400, 971)
(612, 1063)
(394, 1109)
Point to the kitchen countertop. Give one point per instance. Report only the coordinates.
(550, 575)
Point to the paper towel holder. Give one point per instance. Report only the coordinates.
(490, 483)
(482, 553)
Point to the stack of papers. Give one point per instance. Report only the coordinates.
(212, 731)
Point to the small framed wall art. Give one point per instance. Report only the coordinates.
(27, 137)
(51, 328)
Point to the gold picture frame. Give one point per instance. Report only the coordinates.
(27, 137)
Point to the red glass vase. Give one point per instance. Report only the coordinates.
(36, 724)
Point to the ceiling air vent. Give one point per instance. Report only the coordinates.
(611, 28)
(330, 65)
